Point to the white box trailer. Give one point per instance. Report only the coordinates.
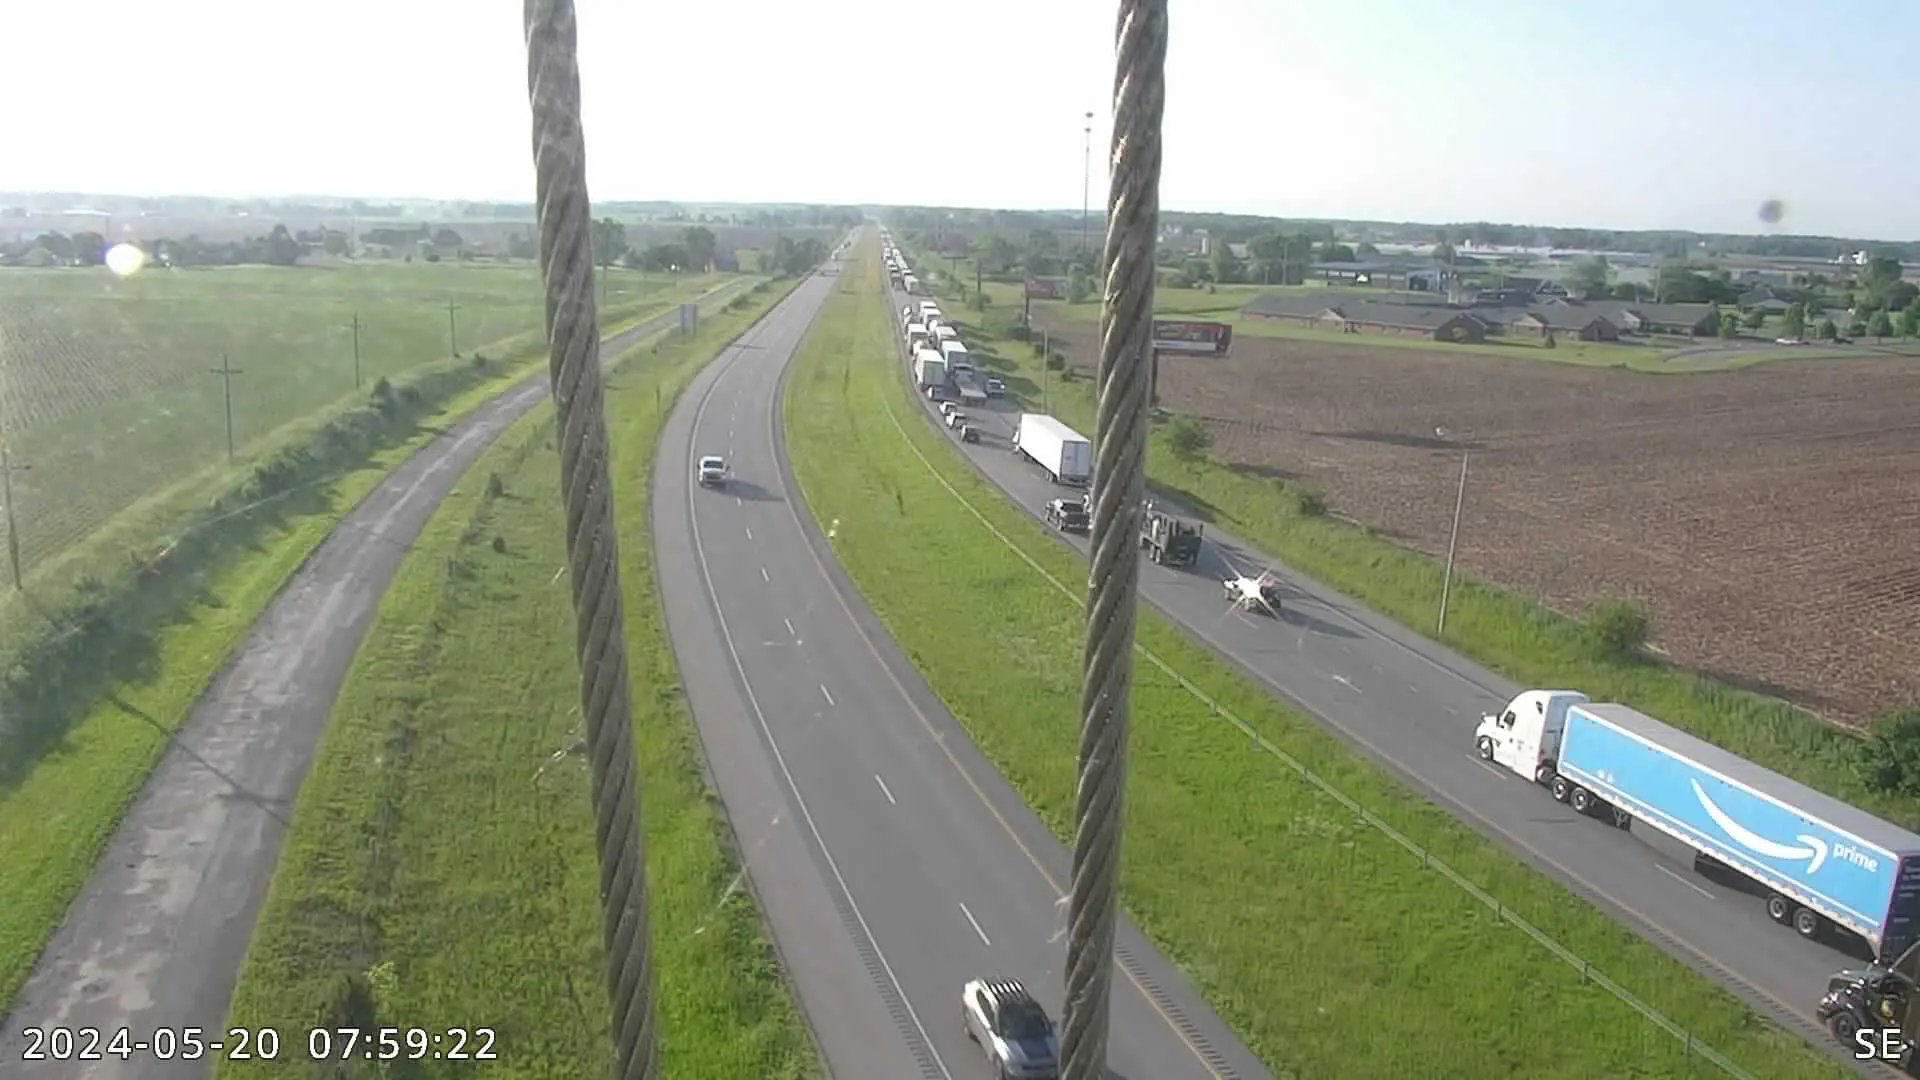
(929, 369)
(917, 339)
(956, 355)
(911, 284)
(945, 333)
(1055, 447)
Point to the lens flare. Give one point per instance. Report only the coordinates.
(125, 259)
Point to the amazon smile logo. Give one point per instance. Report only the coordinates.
(1811, 848)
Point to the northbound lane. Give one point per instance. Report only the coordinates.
(891, 859)
(1413, 705)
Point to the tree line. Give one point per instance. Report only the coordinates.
(1242, 228)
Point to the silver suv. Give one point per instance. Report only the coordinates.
(1013, 1029)
(712, 472)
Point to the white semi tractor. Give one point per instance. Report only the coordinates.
(1062, 452)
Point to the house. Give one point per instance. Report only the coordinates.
(1433, 321)
(1702, 320)
(1574, 321)
(1763, 299)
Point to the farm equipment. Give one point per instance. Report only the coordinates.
(1169, 540)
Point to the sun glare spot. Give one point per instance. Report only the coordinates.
(125, 259)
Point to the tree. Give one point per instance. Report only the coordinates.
(1754, 319)
(1795, 323)
(1589, 278)
(1225, 266)
(1188, 438)
(1079, 286)
(665, 257)
(1881, 325)
(1729, 324)
(281, 248)
(1443, 252)
(1900, 295)
(610, 241)
(999, 254)
(1826, 331)
(1910, 320)
(447, 238)
(90, 248)
(1366, 250)
(701, 246)
(334, 243)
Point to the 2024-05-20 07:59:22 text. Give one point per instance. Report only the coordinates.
(259, 1044)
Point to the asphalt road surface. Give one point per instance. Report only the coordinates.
(156, 938)
(892, 861)
(1413, 705)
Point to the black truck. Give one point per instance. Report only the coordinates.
(1169, 540)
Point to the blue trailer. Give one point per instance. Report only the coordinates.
(1821, 861)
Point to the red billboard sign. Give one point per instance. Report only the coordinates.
(1192, 337)
(1046, 289)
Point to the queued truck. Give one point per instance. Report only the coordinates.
(929, 371)
(1820, 862)
(1062, 452)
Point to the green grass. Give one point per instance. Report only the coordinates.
(106, 387)
(58, 813)
(1293, 917)
(442, 858)
(1504, 630)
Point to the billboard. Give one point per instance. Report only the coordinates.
(1192, 337)
(1745, 829)
(1046, 289)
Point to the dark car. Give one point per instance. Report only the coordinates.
(1069, 515)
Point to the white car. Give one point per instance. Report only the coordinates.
(955, 419)
(711, 472)
(1013, 1030)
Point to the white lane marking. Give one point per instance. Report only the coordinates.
(786, 773)
(749, 534)
(975, 923)
(1485, 764)
(1684, 881)
(1344, 681)
(884, 791)
(763, 574)
(737, 502)
(824, 694)
(790, 631)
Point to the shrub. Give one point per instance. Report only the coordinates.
(1309, 503)
(1188, 438)
(1617, 630)
(1890, 755)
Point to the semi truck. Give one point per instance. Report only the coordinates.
(1055, 447)
(1820, 863)
(928, 369)
(967, 383)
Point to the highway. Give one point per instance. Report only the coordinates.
(891, 860)
(1413, 705)
(157, 937)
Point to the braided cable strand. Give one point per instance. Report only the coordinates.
(593, 564)
(1119, 488)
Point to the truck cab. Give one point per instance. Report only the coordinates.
(1873, 1008)
(1525, 736)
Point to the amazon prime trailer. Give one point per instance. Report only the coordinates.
(1820, 862)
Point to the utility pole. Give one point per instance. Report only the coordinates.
(226, 372)
(7, 468)
(453, 332)
(1046, 365)
(1086, 187)
(1453, 543)
(979, 298)
(356, 350)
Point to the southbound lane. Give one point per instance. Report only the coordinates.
(893, 862)
(1412, 705)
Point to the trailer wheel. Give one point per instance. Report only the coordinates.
(1581, 800)
(1561, 787)
(1779, 908)
(1486, 748)
(1809, 923)
(1621, 819)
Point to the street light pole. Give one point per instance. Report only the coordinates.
(1086, 185)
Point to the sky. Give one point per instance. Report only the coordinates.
(1631, 114)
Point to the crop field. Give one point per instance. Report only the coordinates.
(1286, 910)
(1766, 517)
(107, 384)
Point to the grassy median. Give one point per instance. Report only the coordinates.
(97, 735)
(1327, 946)
(442, 868)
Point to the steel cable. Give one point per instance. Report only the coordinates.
(1119, 488)
(593, 563)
